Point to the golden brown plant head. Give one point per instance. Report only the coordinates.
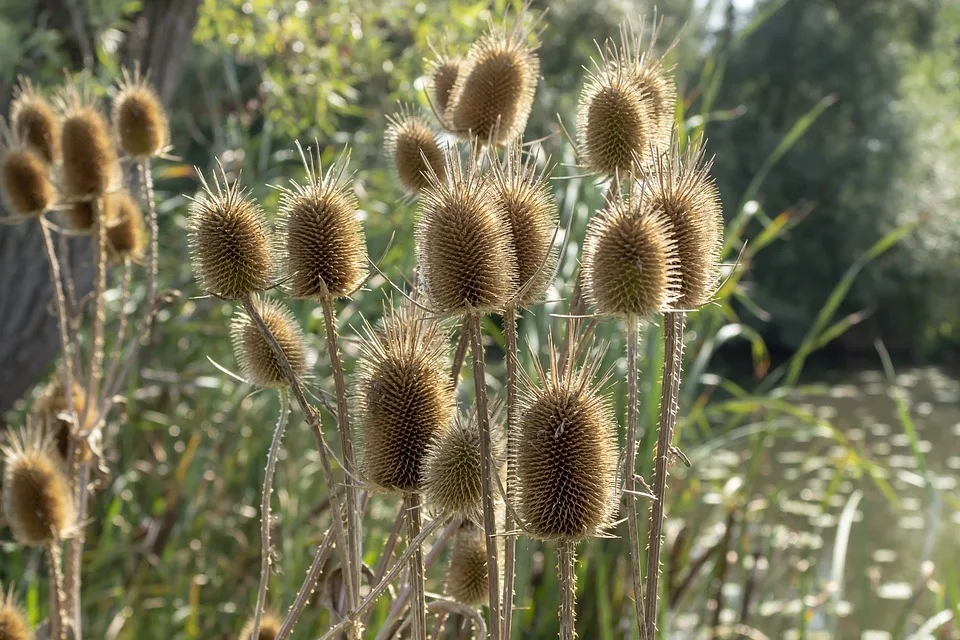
(34, 121)
(49, 408)
(230, 243)
(443, 70)
(467, 573)
(89, 165)
(80, 215)
(139, 119)
(493, 93)
(25, 178)
(630, 262)
(406, 398)
(36, 494)
(269, 627)
(526, 203)
(126, 233)
(415, 149)
(322, 236)
(463, 245)
(258, 364)
(566, 455)
(13, 623)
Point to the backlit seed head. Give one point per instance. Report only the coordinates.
(566, 456)
(321, 233)
(230, 243)
(49, 408)
(139, 119)
(13, 623)
(269, 628)
(34, 121)
(467, 573)
(493, 93)
(125, 227)
(463, 245)
(89, 166)
(258, 364)
(630, 261)
(24, 177)
(36, 494)
(415, 149)
(406, 398)
(443, 70)
(525, 201)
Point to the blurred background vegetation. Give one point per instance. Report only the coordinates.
(817, 505)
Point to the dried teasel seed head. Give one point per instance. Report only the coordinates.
(493, 93)
(49, 407)
(443, 70)
(463, 245)
(321, 233)
(36, 494)
(258, 364)
(467, 572)
(13, 622)
(139, 119)
(126, 233)
(406, 398)
(269, 627)
(89, 165)
(80, 215)
(24, 177)
(415, 149)
(230, 243)
(566, 453)
(630, 262)
(34, 121)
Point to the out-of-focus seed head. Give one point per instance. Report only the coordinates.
(28, 190)
(258, 364)
(443, 70)
(230, 243)
(406, 398)
(13, 623)
(630, 262)
(49, 408)
(89, 165)
(36, 494)
(126, 232)
(80, 216)
(269, 628)
(139, 119)
(463, 245)
(322, 236)
(34, 121)
(467, 573)
(566, 455)
(415, 149)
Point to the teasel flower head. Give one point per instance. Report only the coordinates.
(34, 121)
(139, 119)
(566, 455)
(258, 364)
(496, 82)
(89, 166)
(269, 628)
(463, 245)
(49, 409)
(230, 242)
(25, 178)
(126, 233)
(443, 70)
(415, 148)
(323, 244)
(36, 494)
(526, 203)
(467, 572)
(13, 622)
(405, 397)
(630, 261)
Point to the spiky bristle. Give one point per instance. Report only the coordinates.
(258, 364)
(139, 118)
(269, 627)
(34, 121)
(13, 622)
(415, 149)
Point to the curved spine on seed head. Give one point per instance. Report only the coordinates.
(25, 179)
(34, 121)
(258, 363)
(139, 119)
(89, 166)
(415, 149)
(13, 621)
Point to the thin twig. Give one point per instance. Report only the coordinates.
(630, 474)
(389, 546)
(459, 356)
(117, 353)
(510, 558)
(308, 586)
(413, 517)
(566, 558)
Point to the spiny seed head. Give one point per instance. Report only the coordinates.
(467, 573)
(463, 245)
(322, 236)
(13, 624)
(36, 495)
(269, 628)
(89, 166)
(125, 226)
(493, 93)
(525, 202)
(630, 262)
(415, 149)
(34, 121)
(566, 455)
(258, 364)
(139, 119)
(24, 177)
(80, 215)
(48, 409)
(230, 243)
(443, 70)
(406, 397)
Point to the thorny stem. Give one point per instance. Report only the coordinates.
(388, 547)
(459, 356)
(307, 588)
(146, 187)
(672, 364)
(115, 357)
(630, 473)
(265, 549)
(566, 557)
(59, 619)
(510, 558)
(99, 317)
(411, 503)
(472, 324)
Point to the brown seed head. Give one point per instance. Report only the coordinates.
(269, 628)
(34, 121)
(125, 227)
(406, 398)
(13, 624)
(415, 149)
(321, 233)
(630, 262)
(443, 70)
(24, 178)
(89, 165)
(467, 572)
(258, 364)
(139, 119)
(230, 244)
(48, 409)
(566, 453)
(463, 245)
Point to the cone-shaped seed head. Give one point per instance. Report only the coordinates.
(630, 263)
(258, 364)
(35, 122)
(13, 624)
(138, 117)
(463, 245)
(89, 166)
(36, 495)
(230, 245)
(443, 71)
(413, 144)
(125, 227)
(269, 628)
(406, 397)
(566, 456)
(323, 239)
(25, 179)
(467, 573)
(47, 409)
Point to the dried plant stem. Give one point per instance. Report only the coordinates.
(146, 188)
(59, 619)
(566, 558)
(99, 307)
(510, 553)
(472, 324)
(307, 588)
(630, 473)
(265, 550)
(459, 356)
(116, 355)
(389, 545)
(411, 503)
(63, 320)
(672, 363)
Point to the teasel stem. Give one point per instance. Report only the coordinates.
(59, 619)
(672, 364)
(411, 502)
(463, 343)
(510, 553)
(307, 588)
(265, 552)
(116, 355)
(566, 557)
(99, 307)
(472, 324)
(630, 472)
(146, 187)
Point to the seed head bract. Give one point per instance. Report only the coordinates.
(89, 166)
(258, 364)
(139, 119)
(415, 149)
(34, 121)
